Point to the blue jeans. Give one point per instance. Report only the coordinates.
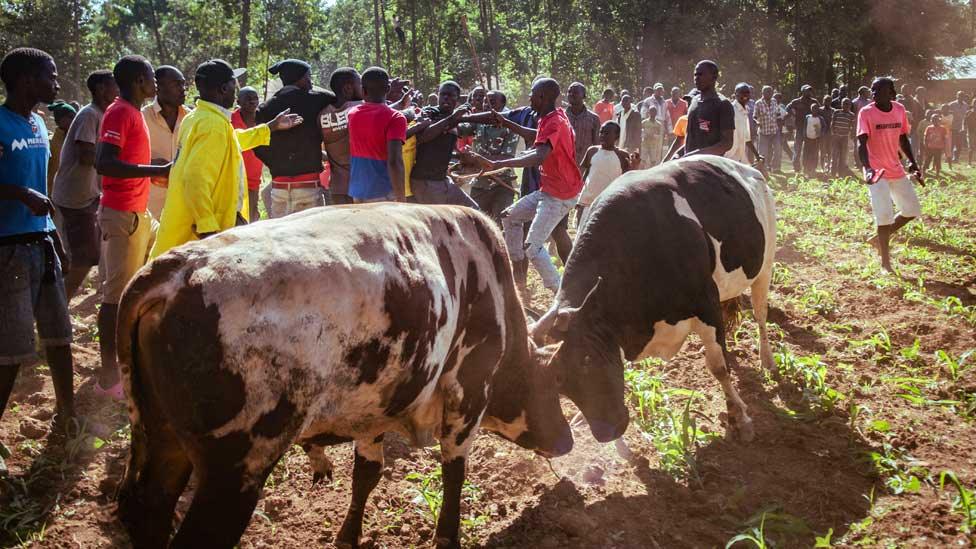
(799, 135)
(769, 149)
(545, 212)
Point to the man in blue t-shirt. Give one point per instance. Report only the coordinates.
(31, 285)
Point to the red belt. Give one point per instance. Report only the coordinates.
(296, 185)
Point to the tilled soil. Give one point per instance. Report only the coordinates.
(809, 473)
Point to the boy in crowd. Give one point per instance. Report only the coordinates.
(601, 165)
(934, 137)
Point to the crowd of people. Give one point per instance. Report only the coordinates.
(137, 172)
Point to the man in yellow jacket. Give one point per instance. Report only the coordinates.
(207, 185)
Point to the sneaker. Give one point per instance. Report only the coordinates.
(115, 392)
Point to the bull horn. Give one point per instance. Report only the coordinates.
(539, 329)
(574, 310)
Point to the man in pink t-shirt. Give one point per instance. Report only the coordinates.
(554, 151)
(882, 130)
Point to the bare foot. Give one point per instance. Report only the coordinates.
(873, 241)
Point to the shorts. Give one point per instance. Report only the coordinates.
(82, 235)
(25, 298)
(127, 238)
(288, 201)
(901, 192)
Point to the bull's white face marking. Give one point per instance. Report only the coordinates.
(294, 338)
(684, 209)
(511, 431)
(667, 339)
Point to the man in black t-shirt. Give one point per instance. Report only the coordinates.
(800, 108)
(429, 181)
(295, 160)
(711, 120)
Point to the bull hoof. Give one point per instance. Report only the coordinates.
(445, 543)
(317, 477)
(735, 430)
(346, 544)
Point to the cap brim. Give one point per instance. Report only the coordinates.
(239, 73)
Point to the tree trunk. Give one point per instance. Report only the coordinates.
(376, 32)
(413, 43)
(160, 45)
(647, 68)
(76, 39)
(243, 41)
(386, 37)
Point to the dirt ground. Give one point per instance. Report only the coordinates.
(849, 454)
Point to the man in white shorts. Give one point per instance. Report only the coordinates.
(883, 129)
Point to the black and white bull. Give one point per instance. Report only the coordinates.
(659, 253)
(331, 325)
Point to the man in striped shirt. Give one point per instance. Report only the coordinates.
(767, 117)
(842, 129)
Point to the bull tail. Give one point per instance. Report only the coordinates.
(144, 294)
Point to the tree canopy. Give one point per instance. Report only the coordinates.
(506, 43)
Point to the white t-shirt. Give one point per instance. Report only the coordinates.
(814, 127)
(741, 136)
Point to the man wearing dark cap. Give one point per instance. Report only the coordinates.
(347, 85)
(207, 184)
(294, 158)
(800, 108)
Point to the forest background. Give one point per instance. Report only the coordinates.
(507, 43)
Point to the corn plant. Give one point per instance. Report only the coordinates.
(755, 536)
(676, 435)
(954, 307)
(964, 502)
(879, 343)
(810, 374)
(954, 367)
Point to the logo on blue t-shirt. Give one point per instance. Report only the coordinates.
(23, 162)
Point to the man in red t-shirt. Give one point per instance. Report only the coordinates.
(604, 107)
(555, 153)
(122, 158)
(242, 119)
(883, 130)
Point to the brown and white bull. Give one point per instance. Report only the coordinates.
(658, 254)
(330, 325)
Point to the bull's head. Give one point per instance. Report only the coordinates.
(587, 363)
(524, 405)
